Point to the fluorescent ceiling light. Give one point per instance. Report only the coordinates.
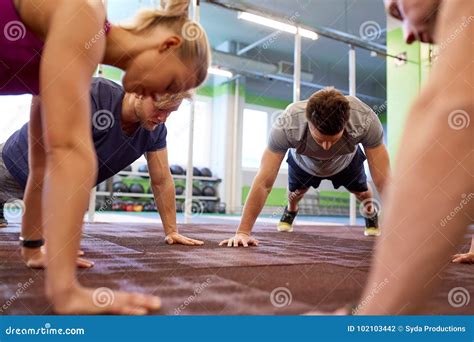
(277, 25)
(220, 72)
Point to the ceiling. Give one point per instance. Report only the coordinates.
(325, 58)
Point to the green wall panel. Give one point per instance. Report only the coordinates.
(266, 101)
(112, 73)
(277, 197)
(403, 84)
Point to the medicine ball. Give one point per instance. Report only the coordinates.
(176, 170)
(120, 187)
(196, 172)
(196, 191)
(210, 206)
(138, 207)
(206, 172)
(179, 190)
(137, 188)
(208, 191)
(144, 169)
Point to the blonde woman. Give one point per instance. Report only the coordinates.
(51, 49)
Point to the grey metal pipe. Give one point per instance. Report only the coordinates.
(322, 31)
(297, 66)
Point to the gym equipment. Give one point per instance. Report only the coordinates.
(137, 188)
(179, 190)
(99, 204)
(196, 172)
(208, 191)
(176, 170)
(196, 191)
(149, 206)
(144, 169)
(179, 206)
(206, 172)
(120, 187)
(150, 190)
(116, 206)
(128, 168)
(138, 207)
(129, 206)
(102, 186)
(212, 206)
(198, 207)
(221, 208)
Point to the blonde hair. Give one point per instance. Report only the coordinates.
(170, 100)
(174, 15)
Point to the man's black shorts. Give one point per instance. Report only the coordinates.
(353, 177)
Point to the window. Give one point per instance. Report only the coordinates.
(178, 134)
(254, 137)
(15, 113)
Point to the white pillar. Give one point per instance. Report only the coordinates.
(297, 66)
(236, 142)
(189, 169)
(352, 92)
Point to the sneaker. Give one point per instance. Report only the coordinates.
(372, 231)
(372, 226)
(286, 221)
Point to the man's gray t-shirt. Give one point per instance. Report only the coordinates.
(291, 132)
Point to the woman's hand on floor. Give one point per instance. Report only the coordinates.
(240, 239)
(466, 258)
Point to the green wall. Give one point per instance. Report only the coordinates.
(403, 83)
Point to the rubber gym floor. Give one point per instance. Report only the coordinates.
(319, 267)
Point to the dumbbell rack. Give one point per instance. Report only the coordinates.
(113, 194)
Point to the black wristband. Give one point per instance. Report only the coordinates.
(31, 243)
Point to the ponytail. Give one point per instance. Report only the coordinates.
(173, 14)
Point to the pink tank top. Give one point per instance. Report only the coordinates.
(20, 53)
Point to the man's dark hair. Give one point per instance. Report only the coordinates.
(328, 111)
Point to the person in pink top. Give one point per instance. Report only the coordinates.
(51, 49)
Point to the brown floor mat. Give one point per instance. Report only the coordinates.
(322, 267)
